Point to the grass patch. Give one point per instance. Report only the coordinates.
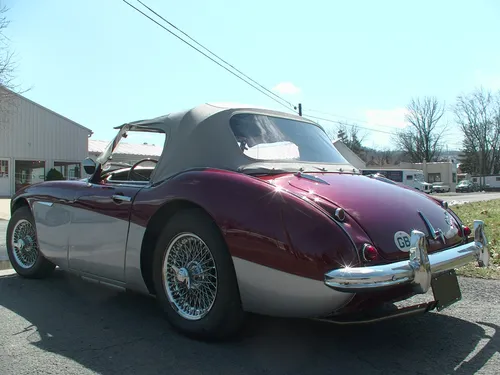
(489, 212)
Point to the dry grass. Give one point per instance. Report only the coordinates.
(489, 212)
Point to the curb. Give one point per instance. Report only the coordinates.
(7, 272)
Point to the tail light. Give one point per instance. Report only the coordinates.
(369, 253)
(466, 230)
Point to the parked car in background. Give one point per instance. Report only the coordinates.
(466, 186)
(246, 210)
(439, 187)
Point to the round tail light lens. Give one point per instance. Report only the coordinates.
(370, 253)
(466, 231)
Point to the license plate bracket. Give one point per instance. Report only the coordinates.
(446, 289)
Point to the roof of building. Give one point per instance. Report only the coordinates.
(348, 154)
(10, 92)
(98, 146)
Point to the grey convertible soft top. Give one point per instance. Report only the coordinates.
(202, 137)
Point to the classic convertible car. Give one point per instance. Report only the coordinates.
(246, 210)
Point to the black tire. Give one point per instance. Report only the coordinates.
(42, 267)
(225, 318)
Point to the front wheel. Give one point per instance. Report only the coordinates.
(194, 278)
(22, 246)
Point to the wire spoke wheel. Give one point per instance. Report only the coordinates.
(190, 276)
(24, 244)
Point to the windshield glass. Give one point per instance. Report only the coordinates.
(264, 137)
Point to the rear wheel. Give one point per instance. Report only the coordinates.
(22, 246)
(194, 278)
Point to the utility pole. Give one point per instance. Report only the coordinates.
(300, 109)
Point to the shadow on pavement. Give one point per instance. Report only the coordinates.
(112, 332)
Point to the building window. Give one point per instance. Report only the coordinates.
(409, 177)
(474, 179)
(454, 176)
(70, 170)
(28, 172)
(434, 177)
(497, 179)
(4, 169)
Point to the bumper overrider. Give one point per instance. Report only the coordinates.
(417, 271)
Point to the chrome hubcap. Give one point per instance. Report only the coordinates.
(190, 276)
(24, 244)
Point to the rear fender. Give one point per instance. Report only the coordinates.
(260, 224)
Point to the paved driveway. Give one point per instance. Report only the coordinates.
(64, 325)
(454, 198)
(3, 250)
(4, 208)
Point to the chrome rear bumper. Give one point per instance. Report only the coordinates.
(418, 270)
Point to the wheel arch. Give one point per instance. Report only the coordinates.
(18, 203)
(153, 230)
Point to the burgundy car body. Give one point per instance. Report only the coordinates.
(280, 229)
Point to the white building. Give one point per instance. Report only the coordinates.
(34, 139)
(434, 172)
(126, 152)
(444, 172)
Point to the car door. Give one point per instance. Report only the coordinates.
(99, 229)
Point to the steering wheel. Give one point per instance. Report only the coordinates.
(141, 177)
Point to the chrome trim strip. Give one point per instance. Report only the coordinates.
(311, 177)
(417, 271)
(48, 204)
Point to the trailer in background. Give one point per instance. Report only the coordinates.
(410, 177)
(491, 183)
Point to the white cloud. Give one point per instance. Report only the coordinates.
(386, 117)
(286, 88)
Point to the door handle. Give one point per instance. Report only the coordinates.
(121, 198)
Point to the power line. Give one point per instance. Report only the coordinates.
(214, 54)
(204, 54)
(341, 123)
(349, 118)
(278, 99)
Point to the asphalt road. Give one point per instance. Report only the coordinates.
(454, 198)
(65, 326)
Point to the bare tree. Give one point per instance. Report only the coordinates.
(422, 139)
(351, 136)
(8, 88)
(380, 157)
(6, 56)
(478, 115)
(384, 157)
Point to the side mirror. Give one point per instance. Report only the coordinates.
(89, 166)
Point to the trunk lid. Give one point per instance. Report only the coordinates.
(387, 212)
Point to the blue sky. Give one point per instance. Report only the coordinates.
(101, 63)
